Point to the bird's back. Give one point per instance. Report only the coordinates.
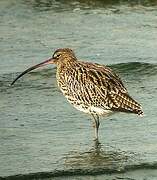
(95, 88)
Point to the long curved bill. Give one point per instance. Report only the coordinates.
(49, 61)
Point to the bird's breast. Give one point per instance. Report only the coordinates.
(81, 94)
(78, 97)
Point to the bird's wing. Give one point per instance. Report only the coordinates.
(109, 89)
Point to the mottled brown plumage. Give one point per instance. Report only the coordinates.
(92, 88)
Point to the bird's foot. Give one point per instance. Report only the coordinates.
(96, 143)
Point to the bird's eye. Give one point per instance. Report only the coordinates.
(56, 56)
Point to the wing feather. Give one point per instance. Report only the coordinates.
(110, 91)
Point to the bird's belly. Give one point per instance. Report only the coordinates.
(100, 111)
(90, 109)
(81, 105)
(82, 108)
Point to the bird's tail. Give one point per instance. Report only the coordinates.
(127, 104)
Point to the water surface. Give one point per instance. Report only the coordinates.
(41, 135)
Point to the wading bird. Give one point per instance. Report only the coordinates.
(90, 87)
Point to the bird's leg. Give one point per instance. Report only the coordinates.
(96, 125)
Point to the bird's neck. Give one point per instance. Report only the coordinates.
(66, 65)
(63, 71)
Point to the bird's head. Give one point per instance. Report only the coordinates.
(60, 56)
(63, 56)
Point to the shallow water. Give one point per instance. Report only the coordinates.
(39, 130)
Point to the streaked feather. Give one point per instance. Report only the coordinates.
(89, 85)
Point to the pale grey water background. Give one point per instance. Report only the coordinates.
(39, 130)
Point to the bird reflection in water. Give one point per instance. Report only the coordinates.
(98, 158)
